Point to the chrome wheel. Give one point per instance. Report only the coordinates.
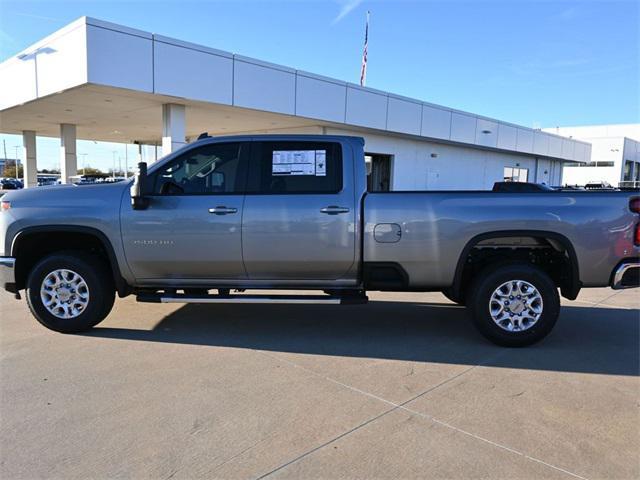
(516, 306)
(64, 293)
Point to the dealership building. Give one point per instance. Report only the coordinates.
(100, 81)
(615, 155)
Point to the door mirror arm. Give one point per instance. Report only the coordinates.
(139, 193)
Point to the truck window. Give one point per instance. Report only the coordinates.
(295, 167)
(207, 170)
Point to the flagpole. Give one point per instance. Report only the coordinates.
(363, 69)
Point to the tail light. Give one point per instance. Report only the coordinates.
(4, 206)
(634, 205)
(636, 236)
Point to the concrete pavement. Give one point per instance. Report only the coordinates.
(400, 388)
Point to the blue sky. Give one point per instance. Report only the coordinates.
(535, 63)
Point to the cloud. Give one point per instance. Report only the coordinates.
(6, 38)
(347, 7)
(567, 14)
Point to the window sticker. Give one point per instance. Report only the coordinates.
(299, 162)
(321, 163)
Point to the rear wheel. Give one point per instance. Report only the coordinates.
(514, 305)
(70, 291)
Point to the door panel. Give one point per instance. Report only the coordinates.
(287, 237)
(288, 234)
(192, 227)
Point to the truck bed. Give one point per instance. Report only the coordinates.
(437, 228)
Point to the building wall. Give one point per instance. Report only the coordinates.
(604, 150)
(615, 144)
(583, 175)
(453, 167)
(630, 155)
(53, 64)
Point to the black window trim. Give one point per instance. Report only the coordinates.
(243, 168)
(255, 159)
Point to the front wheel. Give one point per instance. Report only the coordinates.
(514, 305)
(70, 291)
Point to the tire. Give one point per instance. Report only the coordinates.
(450, 296)
(94, 296)
(523, 320)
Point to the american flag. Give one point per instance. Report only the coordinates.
(363, 71)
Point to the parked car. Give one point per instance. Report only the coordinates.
(594, 185)
(521, 187)
(10, 184)
(292, 212)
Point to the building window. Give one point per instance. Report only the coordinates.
(378, 172)
(599, 163)
(628, 171)
(515, 174)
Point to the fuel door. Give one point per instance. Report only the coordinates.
(387, 233)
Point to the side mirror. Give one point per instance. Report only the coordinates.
(139, 200)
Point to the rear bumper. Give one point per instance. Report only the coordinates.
(8, 274)
(626, 275)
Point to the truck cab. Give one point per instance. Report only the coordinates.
(259, 209)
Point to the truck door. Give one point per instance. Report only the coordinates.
(192, 227)
(299, 219)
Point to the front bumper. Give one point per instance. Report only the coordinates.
(626, 275)
(8, 274)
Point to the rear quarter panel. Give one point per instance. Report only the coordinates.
(436, 227)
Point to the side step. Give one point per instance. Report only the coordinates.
(259, 299)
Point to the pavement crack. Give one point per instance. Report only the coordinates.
(236, 455)
(402, 406)
(319, 447)
(393, 408)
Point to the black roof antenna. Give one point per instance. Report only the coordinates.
(204, 135)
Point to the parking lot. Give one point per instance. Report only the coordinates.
(400, 388)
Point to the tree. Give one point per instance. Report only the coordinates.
(90, 171)
(10, 169)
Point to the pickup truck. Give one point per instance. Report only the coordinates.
(292, 212)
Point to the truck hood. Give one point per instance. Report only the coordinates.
(68, 196)
(92, 206)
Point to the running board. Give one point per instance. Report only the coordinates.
(256, 299)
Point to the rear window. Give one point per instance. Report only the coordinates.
(295, 167)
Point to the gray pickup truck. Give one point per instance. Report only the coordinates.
(292, 212)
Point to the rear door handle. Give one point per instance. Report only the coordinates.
(334, 210)
(222, 210)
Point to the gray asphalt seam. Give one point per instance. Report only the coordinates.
(402, 406)
(607, 305)
(602, 303)
(357, 427)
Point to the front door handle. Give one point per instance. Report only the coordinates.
(334, 210)
(222, 210)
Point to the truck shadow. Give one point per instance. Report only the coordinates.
(585, 340)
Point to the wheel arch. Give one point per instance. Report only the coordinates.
(25, 237)
(569, 289)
